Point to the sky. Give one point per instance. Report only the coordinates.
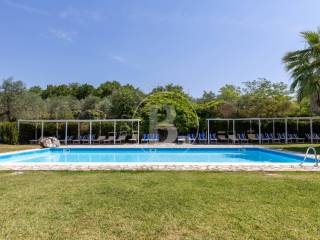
(201, 45)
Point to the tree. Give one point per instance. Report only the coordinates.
(229, 93)
(36, 89)
(11, 102)
(81, 91)
(263, 98)
(229, 97)
(89, 107)
(168, 108)
(207, 97)
(168, 88)
(304, 68)
(125, 101)
(34, 107)
(64, 107)
(55, 91)
(107, 88)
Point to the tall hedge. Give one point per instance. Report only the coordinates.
(9, 133)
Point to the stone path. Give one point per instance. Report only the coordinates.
(163, 167)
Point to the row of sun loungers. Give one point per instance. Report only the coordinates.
(191, 138)
(243, 138)
(99, 140)
(150, 138)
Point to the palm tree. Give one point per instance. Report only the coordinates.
(304, 68)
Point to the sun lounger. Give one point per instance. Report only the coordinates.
(121, 138)
(145, 138)
(181, 139)
(69, 140)
(222, 138)
(99, 139)
(252, 137)
(308, 136)
(154, 137)
(110, 139)
(264, 138)
(86, 139)
(315, 137)
(297, 138)
(213, 138)
(282, 137)
(202, 138)
(191, 138)
(273, 138)
(242, 138)
(233, 138)
(77, 141)
(134, 138)
(267, 137)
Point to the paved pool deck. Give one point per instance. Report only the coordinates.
(158, 166)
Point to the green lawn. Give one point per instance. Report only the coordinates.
(9, 148)
(159, 205)
(295, 147)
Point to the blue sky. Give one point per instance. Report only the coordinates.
(200, 45)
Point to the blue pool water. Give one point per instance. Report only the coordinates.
(154, 155)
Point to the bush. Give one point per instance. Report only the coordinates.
(9, 133)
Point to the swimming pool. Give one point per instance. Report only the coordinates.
(152, 156)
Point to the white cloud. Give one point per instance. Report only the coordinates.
(63, 35)
(25, 7)
(81, 16)
(118, 59)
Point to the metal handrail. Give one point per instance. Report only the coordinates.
(315, 156)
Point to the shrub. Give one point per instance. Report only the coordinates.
(9, 133)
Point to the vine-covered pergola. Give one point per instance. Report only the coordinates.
(259, 120)
(90, 122)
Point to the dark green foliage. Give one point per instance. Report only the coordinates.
(113, 100)
(9, 133)
(167, 108)
(107, 88)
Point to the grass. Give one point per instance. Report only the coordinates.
(301, 148)
(9, 148)
(159, 205)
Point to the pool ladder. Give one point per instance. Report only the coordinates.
(315, 156)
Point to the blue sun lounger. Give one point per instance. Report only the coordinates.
(191, 137)
(213, 138)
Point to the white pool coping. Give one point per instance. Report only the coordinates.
(186, 166)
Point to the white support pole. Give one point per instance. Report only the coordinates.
(311, 130)
(114, 131)
(42, 128)
(234, 131)
(286, 129)
(138, 132)
(90, 132)
(259, 131)
(66, 134)
(208, 135)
